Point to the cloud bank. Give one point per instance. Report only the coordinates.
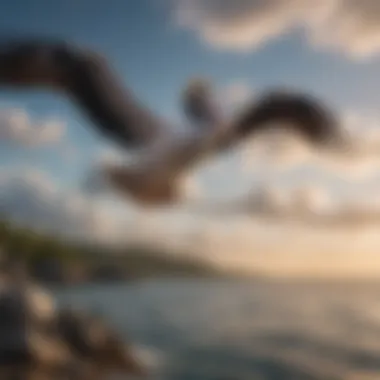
(359, 159)
(349, 26)
(271, 234)
(250, 233)
(30, 197)
(19, 130)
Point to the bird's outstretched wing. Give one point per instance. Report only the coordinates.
(88, 79)
(301, 113)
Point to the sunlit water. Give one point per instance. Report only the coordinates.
(198, 330)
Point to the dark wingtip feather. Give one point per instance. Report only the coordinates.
(303, 114)
(30, 62)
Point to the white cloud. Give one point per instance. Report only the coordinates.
(283, 152)
(17, 127)
(191, 187)
(241, 24)
(278, 203)
(348, 25)
(311, 199)
(351, 26)
(30, 197)
(236, 95)
(95, 183)
(362, 156)
(308, 205)
(112, 156)
(257, 237)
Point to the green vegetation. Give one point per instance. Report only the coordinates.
(51, 259)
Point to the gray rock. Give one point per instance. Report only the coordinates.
(39, 341)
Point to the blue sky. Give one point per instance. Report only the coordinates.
(330, 49)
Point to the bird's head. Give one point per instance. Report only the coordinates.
(198, 101)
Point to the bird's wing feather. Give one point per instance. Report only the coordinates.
(301, 113)
(88, 79)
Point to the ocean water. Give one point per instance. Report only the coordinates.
(244, 330)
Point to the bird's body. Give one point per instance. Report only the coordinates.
(89, 81)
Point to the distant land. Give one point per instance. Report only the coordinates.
(52, 260)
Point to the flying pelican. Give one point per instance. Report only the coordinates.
(87, 78)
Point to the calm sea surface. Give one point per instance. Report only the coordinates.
(215, 330)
